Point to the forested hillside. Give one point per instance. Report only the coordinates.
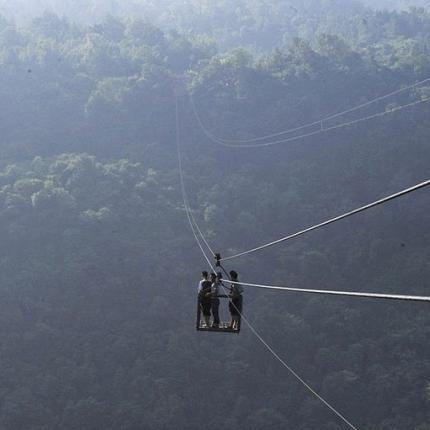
(260, 25)
(99, 267)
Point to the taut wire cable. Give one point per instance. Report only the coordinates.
(340, 293)
(332, 220)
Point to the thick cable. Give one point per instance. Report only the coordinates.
(332, 220)
(340, 293)
(231, 142)
(254, 331)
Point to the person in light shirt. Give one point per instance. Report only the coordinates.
(205, 276)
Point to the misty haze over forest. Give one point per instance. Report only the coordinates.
(276, 115)
(92, 11)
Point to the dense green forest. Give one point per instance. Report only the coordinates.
(99, 267)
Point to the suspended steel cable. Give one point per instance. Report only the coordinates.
(335, 127)
(184, 194)
(310, 134)
(320, 122)
(254, 331)
(200, 233)
(182, 185)
(332, 220)
(340, 293)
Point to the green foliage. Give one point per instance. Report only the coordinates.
(98, 266)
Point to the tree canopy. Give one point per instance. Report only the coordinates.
(99, 269)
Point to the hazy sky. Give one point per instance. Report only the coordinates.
(93, 10)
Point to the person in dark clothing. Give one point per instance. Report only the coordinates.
(235, 303)
(216, 283)
(204, 291)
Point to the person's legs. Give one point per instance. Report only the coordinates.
(206, 319)
(231, 309)
(235, 324)
(207, 314)
(235, 315)
(215, 313)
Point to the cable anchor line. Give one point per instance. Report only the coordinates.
(339, 293)
(312, 133)
(259, 141)
(332, 220)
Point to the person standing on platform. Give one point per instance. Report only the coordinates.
(235, 303)
(216, 284)
(205, 298)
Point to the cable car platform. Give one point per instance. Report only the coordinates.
(222, 328)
